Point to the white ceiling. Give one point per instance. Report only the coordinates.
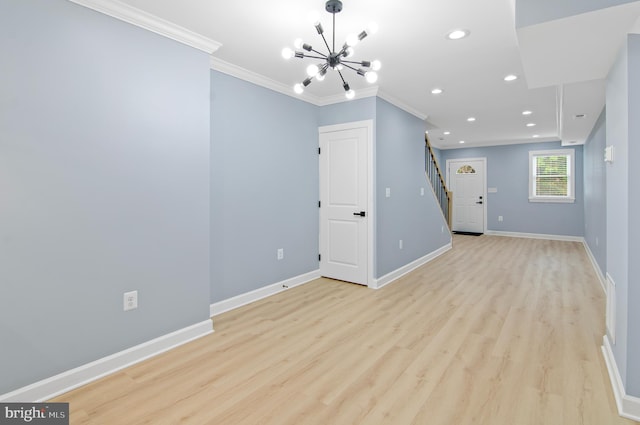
(562, 64)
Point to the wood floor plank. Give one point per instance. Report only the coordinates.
(497, 331)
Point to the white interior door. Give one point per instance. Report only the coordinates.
(344, 214)
(467, 182)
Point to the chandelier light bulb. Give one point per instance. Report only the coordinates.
(350, 94)
(287, 53)
(352, 40)
(371, 77)
(312, 70)
(298, 88)
(314, 18)
(372, 28)
(349, 52)
(297, 43)
(376, 65)
(322, 72)
(339, 67)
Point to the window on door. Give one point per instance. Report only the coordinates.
(552, 176)
(466, 169)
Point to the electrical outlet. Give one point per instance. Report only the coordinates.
(442, 229)
(130, 300)
(500, 218)
(422, 191)
(400, 244)
(387, 192)
(280, 253)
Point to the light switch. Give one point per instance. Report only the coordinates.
(608, 154)
(387, 192)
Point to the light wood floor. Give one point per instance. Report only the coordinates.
(496, 331)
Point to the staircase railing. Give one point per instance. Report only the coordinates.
(437, 181)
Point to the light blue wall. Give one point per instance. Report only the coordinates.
(340, 113)
(508, 171)
(265, 187)
(531, 12)
(595, 192)
(406, 215)
(633, 363)
(104, 179)
(618, 185)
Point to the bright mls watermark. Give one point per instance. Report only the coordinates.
(34, 413)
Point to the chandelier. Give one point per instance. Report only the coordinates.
(334, 60)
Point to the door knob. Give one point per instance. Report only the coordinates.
(361, 213)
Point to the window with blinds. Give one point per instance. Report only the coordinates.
(551, 176)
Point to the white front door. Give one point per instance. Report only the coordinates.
(467, 182)
(344, 203)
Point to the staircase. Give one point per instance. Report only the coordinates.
(437, 181)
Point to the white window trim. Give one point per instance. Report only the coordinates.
(572, 176)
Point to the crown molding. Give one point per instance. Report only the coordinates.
(339, 98)
(400, 104)
(489, 143)
(260, 80)
(142, 19)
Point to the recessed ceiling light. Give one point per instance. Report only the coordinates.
(510, 77)
(471, 119)
(446, 133)
(531, 124)
(461, 141)
(458, 34)
(535, 136)
(436, 91)
(527, 112)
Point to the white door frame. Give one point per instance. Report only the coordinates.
(484, 184)
(368, 124)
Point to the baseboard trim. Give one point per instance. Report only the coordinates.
(82, 375)
(595, 265)
(628, 406)
(535, 236)
(396, 274)
(260, 293)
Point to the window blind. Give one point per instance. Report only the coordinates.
(551, 175)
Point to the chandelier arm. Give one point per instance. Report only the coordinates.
(316, 57)
(325, 43)
(356, 62)
(341, 77)
(320, 53)
(348, 66)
